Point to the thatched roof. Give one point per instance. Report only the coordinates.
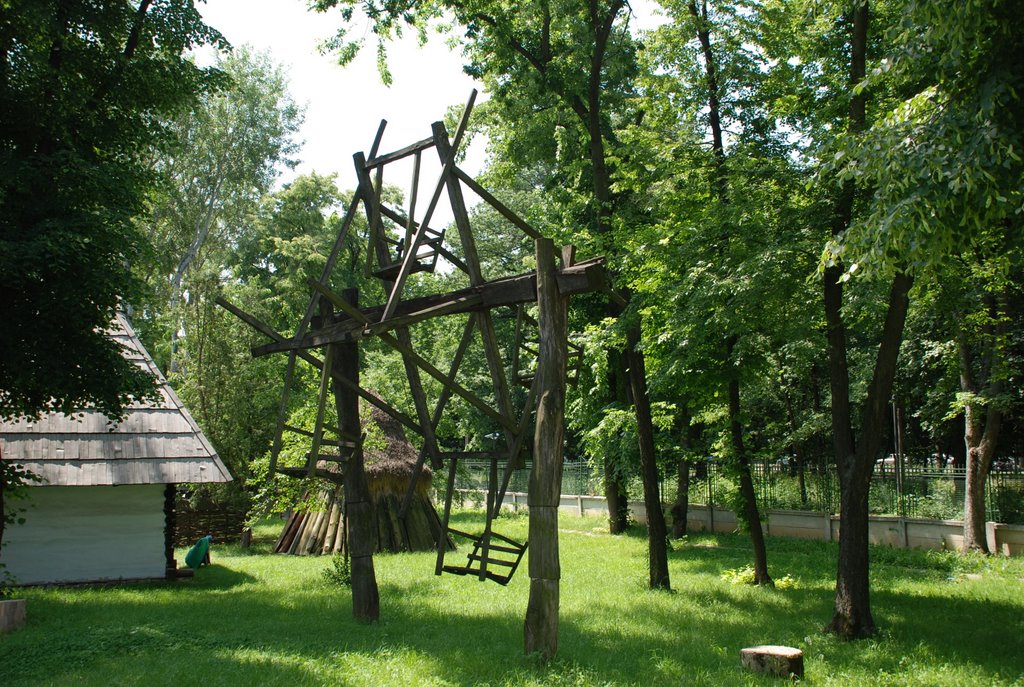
(157, 443)
(392, 465)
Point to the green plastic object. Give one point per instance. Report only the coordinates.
(199, 553)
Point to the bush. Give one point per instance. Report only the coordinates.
(1009, 504)
(339, 572)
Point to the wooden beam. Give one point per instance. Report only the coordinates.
(377, 161)
(425, 365)
(512, 217)
(506, 291)
(259, 326)
(442, 401)
(377, 139)
(541, 626)
(344, 359)
(410, 256)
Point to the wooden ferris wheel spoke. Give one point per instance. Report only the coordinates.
(269, 332)
(513, 456)
(332, 259)
(442, 401)
(442, 181)
(377, 139)
(422, 363)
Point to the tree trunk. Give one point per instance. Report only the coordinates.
(358, 506)
(751, 515)
(980, 451)
(614, 485)
(657, 534)
(852, 615)
(981, 426)
(616, 498)
(680, 509)
(851, 618)
(3, 512)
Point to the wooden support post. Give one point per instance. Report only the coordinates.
(541, 626)
(442, 541)
(361, 536)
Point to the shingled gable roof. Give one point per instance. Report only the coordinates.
(157, 443)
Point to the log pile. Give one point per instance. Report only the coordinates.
(389, 466)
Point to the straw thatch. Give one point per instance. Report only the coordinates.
(389, 465)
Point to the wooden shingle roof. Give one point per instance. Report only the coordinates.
(157, 443)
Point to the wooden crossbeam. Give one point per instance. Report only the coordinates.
(412, 149)
(423, 364)
(269, 332)
(488, 198)
(443, 180)
(521, 288)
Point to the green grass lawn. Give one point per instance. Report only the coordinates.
(258, 619)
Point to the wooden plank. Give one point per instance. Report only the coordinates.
(446, 154)
(378, 137)
(505, 291)
(403, 274)
(486, 196)
(442, 541)
(442, 401)
(318, 425)
(485, 323)
(419, 396)
(425, 365)
(332, 259)
(513, 462)
(453, 307)
(413, 194)
(411, 149)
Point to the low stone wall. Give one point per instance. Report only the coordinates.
(913, 533)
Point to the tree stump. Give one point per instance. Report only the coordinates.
(783, 661)
(12, 615)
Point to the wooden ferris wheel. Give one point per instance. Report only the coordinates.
(400, 243)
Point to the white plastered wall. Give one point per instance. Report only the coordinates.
(86, 534)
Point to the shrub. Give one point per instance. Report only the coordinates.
(339, 572)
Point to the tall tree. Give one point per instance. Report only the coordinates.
(83, 89)
(228, 152)
(946, 165)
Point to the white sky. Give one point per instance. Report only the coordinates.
(344, 106)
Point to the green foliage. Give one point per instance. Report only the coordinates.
(338, 573)
(267, 619)
(746, 576)
(945, 161)
(85, 90)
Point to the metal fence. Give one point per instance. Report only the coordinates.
(913, 492)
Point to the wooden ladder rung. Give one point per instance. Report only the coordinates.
(492, 561)
(503, 549)
(475, 572)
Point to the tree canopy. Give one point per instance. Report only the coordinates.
(86, 91)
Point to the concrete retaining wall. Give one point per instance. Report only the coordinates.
(1007, 540)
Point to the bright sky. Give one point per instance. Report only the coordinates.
(344, 106)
